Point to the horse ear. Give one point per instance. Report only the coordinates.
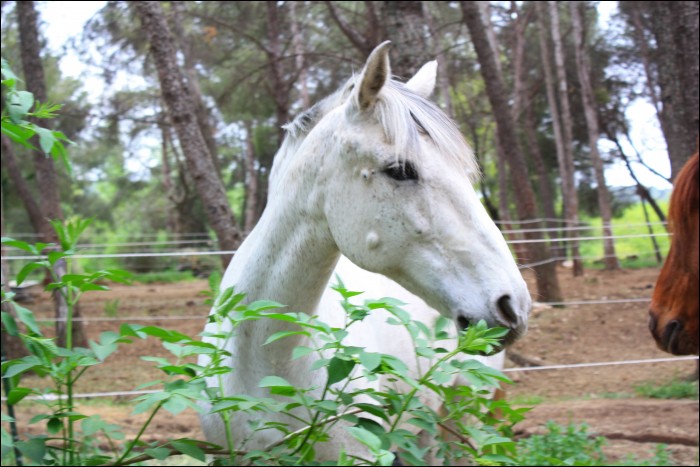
(423, 82)
(376, 72)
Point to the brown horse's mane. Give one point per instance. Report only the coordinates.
(685, 201)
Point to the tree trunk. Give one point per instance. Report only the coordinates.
(545, 187)
(182, 112)
(36, 217)
(547, 282)
(300, 60)
(675, 28)
(46, 177)
(204, 115)
(565, 134)
(33, 68)
(403, 22)
(589, 110)
(443, 77)
(12, 346)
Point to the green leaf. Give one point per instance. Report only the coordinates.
(54, 425)
(277, 385)
(19, 245)
(102, 351)
(26, 316)
(301, 351)
(19, 368)
(262, 305)
(370, 360)
(34, 449)
(189, 448)
(17, 394)
(367, 438)
(283, 334)
(158, 453)
(10, 324)
(339, 369)
(375, 410)
(28, 268)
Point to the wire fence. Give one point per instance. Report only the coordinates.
(203, 239)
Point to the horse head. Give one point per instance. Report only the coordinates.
(673, 315)
(393, 182)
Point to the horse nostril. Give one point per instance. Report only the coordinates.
(462, 322)
(509, 315)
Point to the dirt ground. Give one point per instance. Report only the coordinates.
(603, 396)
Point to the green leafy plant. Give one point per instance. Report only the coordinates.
(672, 390)
(20, 106)
(69, 434)
(574, 445)
(374, 417)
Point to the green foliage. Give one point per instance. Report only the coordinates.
(19, 108)
(634, 252)
(672, 390)
(571, 445)
(70, 436)
(574, 445)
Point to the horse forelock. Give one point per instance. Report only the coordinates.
(404, 115)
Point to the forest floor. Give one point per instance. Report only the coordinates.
(603, 397)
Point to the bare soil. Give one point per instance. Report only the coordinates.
(603, 396)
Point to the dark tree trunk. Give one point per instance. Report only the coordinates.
(204, 115)
(182, 111)
(404, 25)
(590, 112)
(46, 177)
(566, 145)
(36, 217)
(547, 282)
(675, 28)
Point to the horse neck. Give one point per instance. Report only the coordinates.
(288, 257)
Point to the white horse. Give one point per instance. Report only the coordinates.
(379, 174)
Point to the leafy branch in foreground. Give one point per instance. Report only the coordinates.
(377, 418)
(18, 110)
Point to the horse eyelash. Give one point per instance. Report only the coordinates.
(402, 171)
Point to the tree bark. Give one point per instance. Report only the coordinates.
(46, 177)
(565, 145)
(33, 68)
(443, 77)
(300, 52)
(547, 282)
(204, 115)
(12, 346)
(403, 22)
(36, 217)
(589, 110)
(182, 111)
(675, 28)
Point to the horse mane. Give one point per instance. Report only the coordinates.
(685, 201)
(403, 116)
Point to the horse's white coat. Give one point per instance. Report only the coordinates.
(329, 195)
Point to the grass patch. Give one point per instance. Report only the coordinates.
(526, 399)
(163, 277)
(633, 252)
(673, 390)
(574, 445)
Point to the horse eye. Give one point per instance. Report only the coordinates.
(402, 171)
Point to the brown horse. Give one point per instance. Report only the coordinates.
(673, 316)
